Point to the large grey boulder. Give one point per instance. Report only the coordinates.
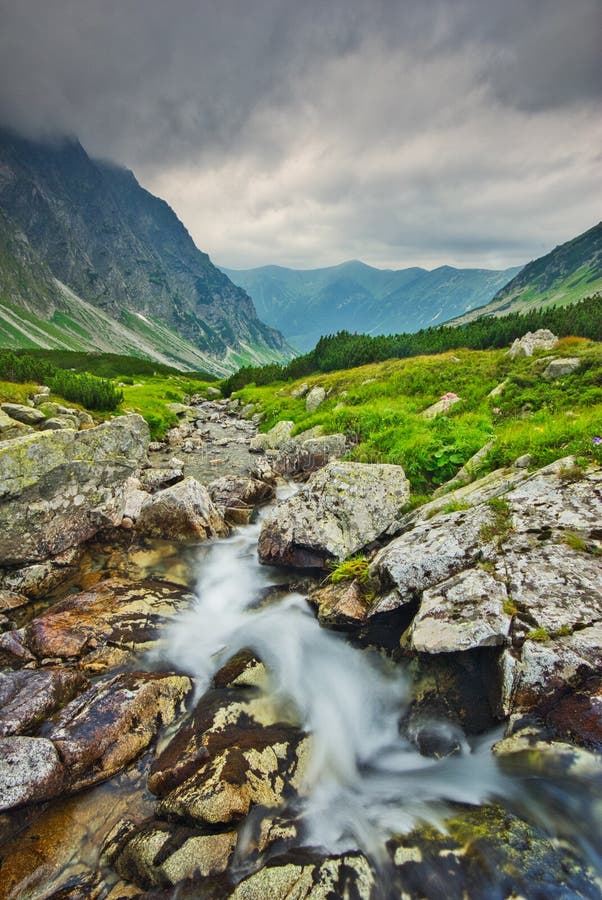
(10, 428)
(28, 415)
(542, 339)
(184, 511)
(558, 368)
(316, 396)
(304, 456)
(342, 509)
(273, 439)
(58, 488)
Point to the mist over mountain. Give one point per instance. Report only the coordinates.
(305, 304)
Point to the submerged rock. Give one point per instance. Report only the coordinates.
(342, 509)
(305, 875)
(57, 488)
(30, 771)
(29, 696)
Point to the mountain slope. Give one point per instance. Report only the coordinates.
(305, 304)
(124, 251)
(566, 274)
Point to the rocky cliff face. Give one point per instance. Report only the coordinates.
(122, 249)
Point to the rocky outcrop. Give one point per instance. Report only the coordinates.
(542, 339)
(57, 488)
(184, 512)
(342, 509)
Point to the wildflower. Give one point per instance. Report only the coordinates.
(597, 440)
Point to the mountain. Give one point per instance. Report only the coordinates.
(305, 304)
(565, 275)
(82, 239)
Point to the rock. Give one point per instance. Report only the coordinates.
(56, 423)
(30, 771)
(300, 391)
(10, 428)
(315, 398)
(28, 415)
(182, 512)
(523, 462)
(273, 439)
(112, 722)
(155, 479)
(558, 368)
(467, 472)
(40, 579)
(498, 390)
(495, 484)
(134, 499)
(300, 456)
(441, 406)
(542, 339)
(428, 555)
(462, 613)
(32, 695)
(213, 391)
(340, 605)
(306, 875)
(236, 496)
(42, 395)
(342, 509)
(156, 446)
(112, 620)
(157, 854)
(57, 488)
(10, 600)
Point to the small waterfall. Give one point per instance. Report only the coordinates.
(366, 782)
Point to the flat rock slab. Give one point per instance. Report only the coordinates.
(113, 616)
(112, 722)
(462, 613)
(342, 509)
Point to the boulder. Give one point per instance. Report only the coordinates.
(29, 696)
(315, 398)
(441, 406)
(342, 509)
(98, 627)
(558, 368)
(56, 423)
(30, 771)
(28, 415)
(273, 439)
(542, 339)
(340, 605)
(58, 488)
(300, 456)
(112, 722)
(462, 613)
(183, 512)
(307, 875)
(235, 496)
(10, 428)
(155, 479)
(300, 391)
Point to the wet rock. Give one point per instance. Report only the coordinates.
(315, 398)
(57, 488)
(29, 696)
(112, 722)
(235, 497)
(436, 738)
(182, 512)
(155, 479)
(157, 854)
(305, 875)
(558, 368)
(10, 600)
(483, 853)
(28, 415)
(272, 439)
(342, 509)
(40, 579)
(577, 717)
(462, 613)
(101, 627)
(10, 428)
(428, 555)
(542, 339)
(30, 771)
(340, 605)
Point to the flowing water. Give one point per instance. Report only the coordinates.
(366, 782)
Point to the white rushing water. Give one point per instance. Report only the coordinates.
(365, 781)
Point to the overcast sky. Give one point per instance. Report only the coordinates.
(307, 132)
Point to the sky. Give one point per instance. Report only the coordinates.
(307, 132)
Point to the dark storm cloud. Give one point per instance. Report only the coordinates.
(302, 133)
